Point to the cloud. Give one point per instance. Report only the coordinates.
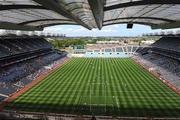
(81, 31)
(112, 30)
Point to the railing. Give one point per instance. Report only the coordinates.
(57, 116)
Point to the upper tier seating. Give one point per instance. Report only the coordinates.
(167, 53)
(143, 50)
(169, 43)
(15, 46)
(167, 46)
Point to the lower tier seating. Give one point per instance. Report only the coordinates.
(168, 67)
(16, 76)
(22, 60)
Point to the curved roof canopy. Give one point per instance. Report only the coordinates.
(37, 14)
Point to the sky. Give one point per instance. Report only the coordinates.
(112, 30)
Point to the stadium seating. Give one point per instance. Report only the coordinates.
(108, 50)
(167, 53)
(14, 46)
(139, 49)
(22, 61)
(112, 51)
(143, 50)
(164, 56)
(129, 48)
(119, 49)
(1, 98)
(168, 43)
(134, 48)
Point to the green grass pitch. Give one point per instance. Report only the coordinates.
(100, 86)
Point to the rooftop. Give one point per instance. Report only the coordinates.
(37, 14)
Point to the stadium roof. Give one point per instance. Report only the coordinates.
(37, 14)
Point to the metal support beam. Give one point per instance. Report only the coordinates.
(167, 25)
(12, 26)
(52, 24)
(142, 23)
(97, 7)
(142, 2)
(41, 20)
(9, 7)
(148, 18)
(55, 6)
